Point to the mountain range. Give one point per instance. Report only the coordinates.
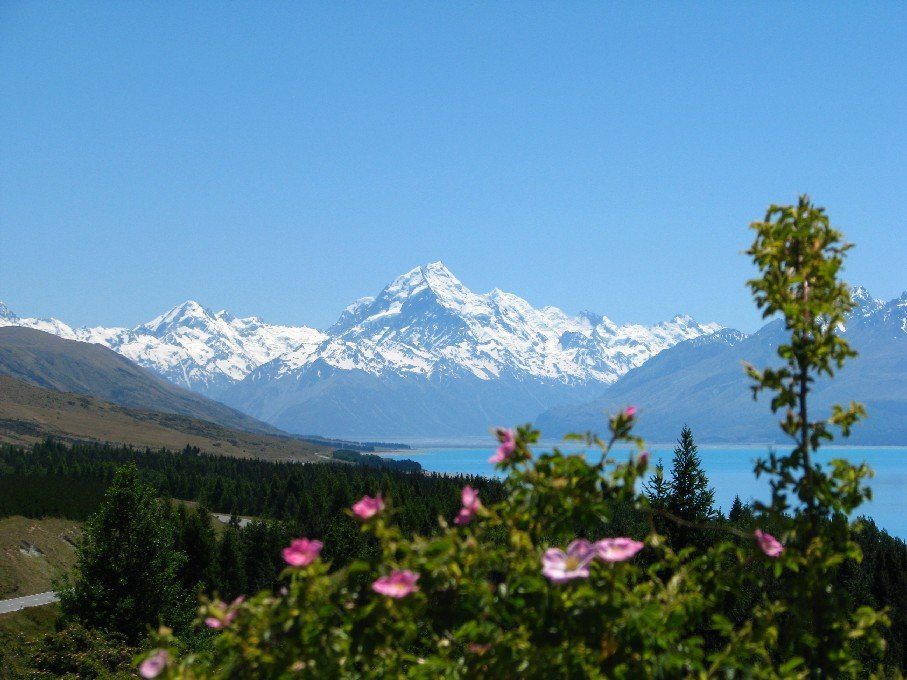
(189, 345)
(425, 357)
(701, 383)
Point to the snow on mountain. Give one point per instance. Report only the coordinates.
(7, 316)
(54, 326)
(701, 383)
(426, 320)
(189, 345)
(892, 314)
(429, 356)
(425, 354)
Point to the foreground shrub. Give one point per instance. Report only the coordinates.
(542, 585)
(79, 652)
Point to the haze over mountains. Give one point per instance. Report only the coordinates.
(425, 357)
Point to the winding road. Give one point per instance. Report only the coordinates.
(17, 603)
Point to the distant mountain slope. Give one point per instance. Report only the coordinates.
(48, 361)
(29, 414)
(428, 356)
(701, 383)
(189, 345)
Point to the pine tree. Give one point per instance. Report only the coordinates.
(736, 513)
(657, 488)
(126, 574)
(195, 537)
(231, 571)
(691, 499)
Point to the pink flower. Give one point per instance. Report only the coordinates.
(508, 444)
(617, 549)
(301, 552)
(398, 585)
(768, 544)
(559, 566)
(224, 621)
(630, 412)
(471, 504)
(644, 457)
(368, 506)
(469, 497)
(154, 664)
(465, 516)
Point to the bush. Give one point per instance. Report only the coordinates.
(78, 652)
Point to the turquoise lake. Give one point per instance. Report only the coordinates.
(730, 471)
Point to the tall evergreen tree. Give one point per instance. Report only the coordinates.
(691, 499)
(195, 538)
(125, 578)
(736, 514)
(658, 489)
(231, 570)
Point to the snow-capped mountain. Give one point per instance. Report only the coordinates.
(701, 383)
(189, 345)
(425, 356)
(428, 355)
(427, 321)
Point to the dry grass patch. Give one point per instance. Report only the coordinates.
(33, 552)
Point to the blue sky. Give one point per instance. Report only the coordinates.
(284, 159)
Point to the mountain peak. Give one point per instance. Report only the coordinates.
(866, 303)
(437, 267)
(434, 275)
(188, 311)
(6, 314)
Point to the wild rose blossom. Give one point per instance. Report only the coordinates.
(508, 445)
(559, 566)
(154, 665)
(302, 552)
(471, 504)
(768, 544)
(398, 585)
(225, 620)
(368, 507)
(630, 412)
(616, 549)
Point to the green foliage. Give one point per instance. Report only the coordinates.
(196, 541)
(496, 597)
(372, 460)
(77, 652)
(691, 499)
(683, 504)
(126, 575)
(801, 256)
(308, 497)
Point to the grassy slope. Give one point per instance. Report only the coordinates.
(29, 413)
(27, 574)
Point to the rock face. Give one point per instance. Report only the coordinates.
(701, 383)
